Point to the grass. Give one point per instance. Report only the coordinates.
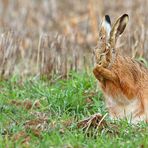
(39, 113)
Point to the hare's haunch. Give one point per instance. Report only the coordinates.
(123, 80)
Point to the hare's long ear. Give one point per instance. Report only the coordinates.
(105, 28)
(118, 28)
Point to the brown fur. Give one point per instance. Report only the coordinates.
(124, 82)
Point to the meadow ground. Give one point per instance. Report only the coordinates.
(41, 113)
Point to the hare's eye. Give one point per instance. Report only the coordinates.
(102, 37)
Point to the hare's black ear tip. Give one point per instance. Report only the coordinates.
(125, 15)
(107, 18)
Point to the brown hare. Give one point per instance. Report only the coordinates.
(123, 81)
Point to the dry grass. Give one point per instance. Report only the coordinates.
(56, 36)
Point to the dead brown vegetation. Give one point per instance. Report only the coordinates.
(48, 37)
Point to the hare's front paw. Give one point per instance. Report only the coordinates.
(102, 73)
(99, 67)
(97, 71)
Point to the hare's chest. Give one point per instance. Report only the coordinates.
(118, 99)
(121, 107)
(112, 91)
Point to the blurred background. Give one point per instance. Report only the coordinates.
(48, 37)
